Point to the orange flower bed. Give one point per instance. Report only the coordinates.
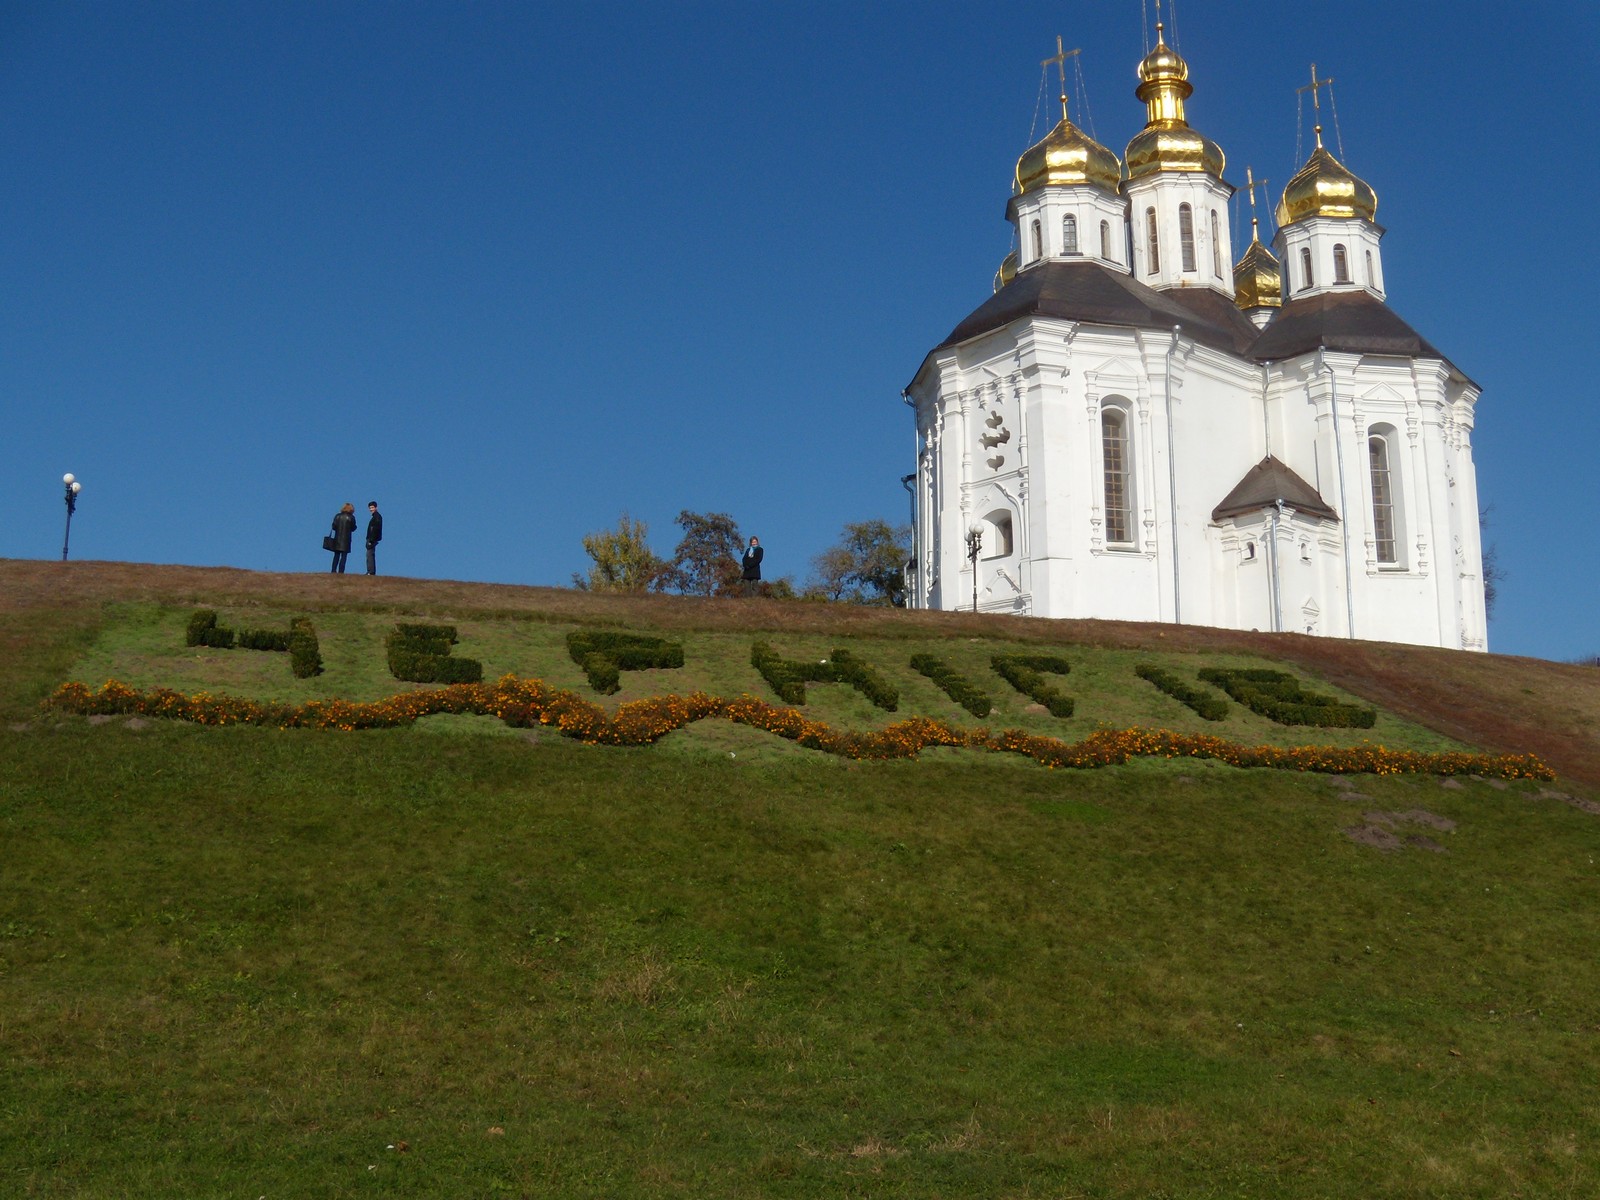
(527, 702)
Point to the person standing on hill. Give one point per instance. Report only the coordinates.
(750, 565)
(344, 528)
(374, 536)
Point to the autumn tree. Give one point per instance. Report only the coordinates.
(623, 560)
(707, 560)
(866, 566)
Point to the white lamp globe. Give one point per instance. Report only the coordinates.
(76, 487)
(67, 478)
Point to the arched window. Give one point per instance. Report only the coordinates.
(1383, 505)
(1372, 279)
(1216, 245)
(1105, 240)
(1341, 265)
(1186, 235)
(1069, 234)
(1038, 241)
(997, 534)
(1150, 236)
(1118, 476)
(1305, 267)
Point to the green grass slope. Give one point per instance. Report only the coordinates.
(460, 959)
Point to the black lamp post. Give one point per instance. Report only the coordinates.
(73, 488)
(974, 545)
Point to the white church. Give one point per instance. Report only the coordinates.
(1132, 427)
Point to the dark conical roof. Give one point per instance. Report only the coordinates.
(1264, 485)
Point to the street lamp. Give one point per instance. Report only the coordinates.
(73, 488)
(974, 544)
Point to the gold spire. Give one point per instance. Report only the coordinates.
(1066, 155)
(1167, 143)
(1007, 271)
(1325, 187)
(1258, 275)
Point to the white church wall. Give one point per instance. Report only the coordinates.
(1166, 194)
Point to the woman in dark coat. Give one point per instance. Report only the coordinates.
(344, 528)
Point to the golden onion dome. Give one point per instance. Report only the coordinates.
(1167, 143)
(1325, 187)
(1065, 156)
(1258, 278)
(1007, 271)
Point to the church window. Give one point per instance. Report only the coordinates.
(1305, 267)
(1216, 245)
(1038, 240)
(1155, 245)
(1383, 514)
(1372, 279)
(1105, 240)
(1341, 265)
(997, 535)
(1186, 235)
(1114, 455)
(1069, 234)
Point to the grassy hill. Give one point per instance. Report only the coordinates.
(459, 958)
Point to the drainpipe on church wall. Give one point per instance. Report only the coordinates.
(1277, 580)
(1172, 489)
(1344, 507)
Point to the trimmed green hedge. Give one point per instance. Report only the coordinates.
(305, 651)
(306, 661)
(421, 654)
(605, 654)
(954, 684)
(204, 631)
(789, 677)
(1209, 706)
(1025, 672)
(1281, 697)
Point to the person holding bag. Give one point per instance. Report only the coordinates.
(344, 528)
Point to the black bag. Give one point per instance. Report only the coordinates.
(331, 543)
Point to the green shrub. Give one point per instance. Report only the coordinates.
(954, 684)
(204, 631)
(1212, 708)
(1025, 672)
(1281, 697)
(789, 677)
(263, 639)
(850, 669)
(605, 654)
(305, 651)
(421, 654)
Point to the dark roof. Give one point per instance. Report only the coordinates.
(1088, 291)
(1355, 321)
(1264, 485)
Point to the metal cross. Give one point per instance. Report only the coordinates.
(1313, 87)
(1060, 63)
(1251, 184)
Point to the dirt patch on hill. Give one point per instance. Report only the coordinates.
(1384, 830)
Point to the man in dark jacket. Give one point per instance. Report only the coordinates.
(751, 567)
(374, 536)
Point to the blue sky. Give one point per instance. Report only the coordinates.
(515, 268)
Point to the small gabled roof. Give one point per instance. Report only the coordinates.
(1356, 322)
(1264, 485)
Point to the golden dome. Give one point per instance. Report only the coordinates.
(1258, 278)
(1325, 187)
(1167, 143)
(1007, 271)
(1067, 155)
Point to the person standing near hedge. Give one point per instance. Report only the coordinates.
(344, 528)
(374, 536)
(750, 566)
